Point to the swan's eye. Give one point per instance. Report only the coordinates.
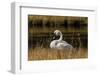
(58, 33)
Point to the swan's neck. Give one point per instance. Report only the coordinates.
(61, 36)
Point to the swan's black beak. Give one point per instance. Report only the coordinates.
(55, 37)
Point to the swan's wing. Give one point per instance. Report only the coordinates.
(64, 46)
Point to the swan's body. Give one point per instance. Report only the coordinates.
(60, 44)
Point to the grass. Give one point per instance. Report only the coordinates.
(53, 54)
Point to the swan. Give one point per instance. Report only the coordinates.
(59, 43)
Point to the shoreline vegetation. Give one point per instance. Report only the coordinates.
(53, 54)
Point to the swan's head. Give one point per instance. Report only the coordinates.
(57, 32)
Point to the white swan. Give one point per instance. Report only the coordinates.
(60, 44)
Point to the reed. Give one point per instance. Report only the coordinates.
(53, 54)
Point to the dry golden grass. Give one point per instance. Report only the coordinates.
(53, 54)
